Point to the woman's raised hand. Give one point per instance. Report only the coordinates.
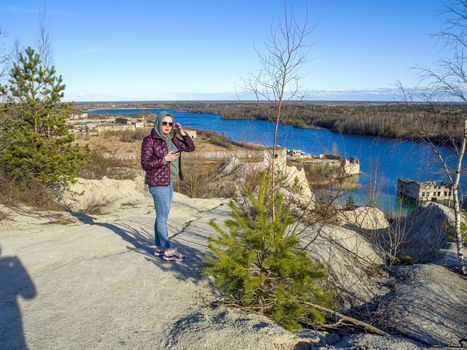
(179, 129)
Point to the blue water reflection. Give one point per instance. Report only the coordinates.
(388, 159)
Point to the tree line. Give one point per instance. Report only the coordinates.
(392, 120)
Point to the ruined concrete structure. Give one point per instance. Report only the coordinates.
(295, 152)
(137, 122)
(351, 166)
(340, 166)
(424, 191)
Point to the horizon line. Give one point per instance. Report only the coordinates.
(265, 101)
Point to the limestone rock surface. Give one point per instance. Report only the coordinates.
(364, 217)
(428, 304)
(353, 263)
(424, 232)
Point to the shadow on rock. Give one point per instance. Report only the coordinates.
(427, 305)
(14, 281)
(142, 242)
(189, 269)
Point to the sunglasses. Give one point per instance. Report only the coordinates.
(168, 123)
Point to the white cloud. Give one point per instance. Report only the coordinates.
(90, 50)
(92, 96)
(380, 94)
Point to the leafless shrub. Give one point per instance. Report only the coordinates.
(375, 184)
(60, 219)
(389, 241)
(198, 177)
(106, 165)
(13, 193)
(3, 215)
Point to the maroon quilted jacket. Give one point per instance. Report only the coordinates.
(153, 151)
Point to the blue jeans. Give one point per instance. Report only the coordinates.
(162, 196)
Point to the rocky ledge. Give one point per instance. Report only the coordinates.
(71, 280)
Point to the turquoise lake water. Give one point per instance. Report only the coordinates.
(389, 158)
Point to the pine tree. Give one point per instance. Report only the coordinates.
(39, 147)
(350, 203)
(258, 265)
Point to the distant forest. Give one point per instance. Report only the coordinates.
(443, 122)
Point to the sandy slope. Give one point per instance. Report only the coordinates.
(94, 284)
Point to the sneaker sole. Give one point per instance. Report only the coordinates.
(172, 258)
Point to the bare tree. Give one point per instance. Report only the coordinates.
(44, 43)
(375, 184)
(5, 55)
(44, 40)
(447, 81)
(279, 76)
(5, 59)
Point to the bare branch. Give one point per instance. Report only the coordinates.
(278, 79)
(5, 55)
(44, 40)
(447, 81)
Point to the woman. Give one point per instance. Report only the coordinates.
(160, 158)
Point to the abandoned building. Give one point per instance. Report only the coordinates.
(425, 191)
(295, 152)
(137, 122)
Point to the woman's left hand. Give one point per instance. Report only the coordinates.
(179, 129)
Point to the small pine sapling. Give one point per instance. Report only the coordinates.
(260, 267)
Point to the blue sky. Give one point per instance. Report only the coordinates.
(185, 50)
